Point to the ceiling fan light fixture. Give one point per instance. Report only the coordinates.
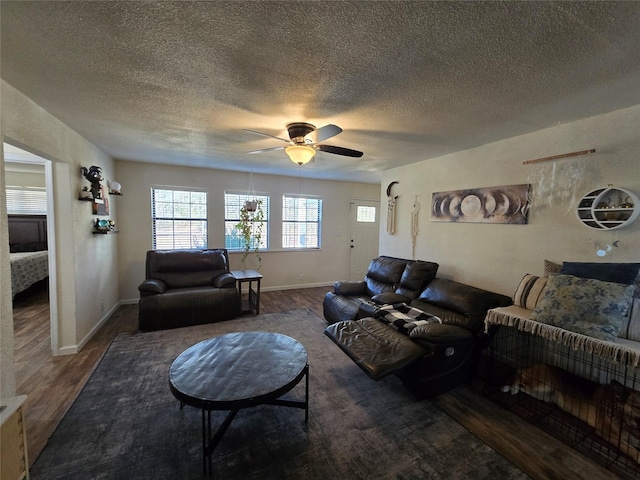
(300, 154)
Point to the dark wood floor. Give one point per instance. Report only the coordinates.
(52, 384)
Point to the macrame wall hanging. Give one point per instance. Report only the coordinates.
(414, 226)
(391, 210)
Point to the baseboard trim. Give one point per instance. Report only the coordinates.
(72, 349)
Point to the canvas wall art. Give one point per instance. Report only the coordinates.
(504, 204)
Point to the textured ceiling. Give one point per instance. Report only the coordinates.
(176, 82)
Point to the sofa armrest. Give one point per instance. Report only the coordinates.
(152, 287)
(224, 280)
(441, 333)
(350, 288)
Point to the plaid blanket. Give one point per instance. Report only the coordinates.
(404, 318)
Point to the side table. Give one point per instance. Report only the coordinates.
(252, 301)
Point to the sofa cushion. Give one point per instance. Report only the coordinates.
(470, 303)
(415, 276)
(389, 298)
(583, 305)
(186, 268)
(384, 274)
(440, 333)
(529, 291)
(625, 273)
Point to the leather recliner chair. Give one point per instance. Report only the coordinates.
(187, 287)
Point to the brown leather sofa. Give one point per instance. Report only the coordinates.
(186, 287)
(388, 280)
(439, 357)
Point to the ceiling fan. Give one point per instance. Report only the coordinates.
(302, 150)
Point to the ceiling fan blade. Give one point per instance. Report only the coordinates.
(265, 150)
(328, 131)
(267, 135)
(339, 150)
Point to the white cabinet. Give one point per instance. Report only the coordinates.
(14, 464)
(608, 208)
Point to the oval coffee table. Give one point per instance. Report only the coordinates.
(236, 371)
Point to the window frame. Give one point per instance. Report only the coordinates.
(33, 201)
(290, 225)
(204, 230)
(230, 221)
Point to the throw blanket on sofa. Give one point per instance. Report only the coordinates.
(404, 318)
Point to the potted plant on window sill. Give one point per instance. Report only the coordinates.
(250, 230)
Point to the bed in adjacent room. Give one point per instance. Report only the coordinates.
(28, 251)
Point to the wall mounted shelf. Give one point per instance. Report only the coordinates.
(608, 208)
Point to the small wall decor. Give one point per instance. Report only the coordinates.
(114, 188)
(101, 204)
(391, 210)
(94, 175)
(608, 208)
(414, 226)
(504, 204)
(104, 226)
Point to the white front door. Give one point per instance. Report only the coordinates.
(364, 234)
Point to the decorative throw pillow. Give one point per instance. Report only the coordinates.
(530, 291)
(583, 305)
(551, 267)
(607, 272)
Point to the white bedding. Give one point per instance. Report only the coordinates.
(28, 268)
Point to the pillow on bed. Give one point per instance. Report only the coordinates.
(584, 305)
(607, 272)
(530, 291)
(551, 267)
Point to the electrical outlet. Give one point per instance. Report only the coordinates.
(301, 276)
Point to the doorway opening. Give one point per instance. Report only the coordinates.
(26, 173)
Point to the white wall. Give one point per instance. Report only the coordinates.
(87, 264)
(280, 269)
(497, 256)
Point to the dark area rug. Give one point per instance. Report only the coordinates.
(125, 424)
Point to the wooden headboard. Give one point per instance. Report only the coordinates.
(27, 232)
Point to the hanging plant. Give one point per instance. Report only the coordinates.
(251, 205)
(250, 229)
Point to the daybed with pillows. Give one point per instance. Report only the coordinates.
(187, 287)
(566, 355)
(428, 336)
(592, 307)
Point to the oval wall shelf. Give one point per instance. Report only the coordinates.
(608, 208)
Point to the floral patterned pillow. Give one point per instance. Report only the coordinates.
(583, 305)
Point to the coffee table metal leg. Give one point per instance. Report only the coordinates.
(306, 400)
(209, 443)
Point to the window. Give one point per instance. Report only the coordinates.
(179, 218)
(26, 200)
(301, 220)
(233, 202)
(366, 214)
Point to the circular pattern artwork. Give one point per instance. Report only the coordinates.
(505, 204)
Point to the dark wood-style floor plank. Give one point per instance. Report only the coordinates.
(53, 383)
